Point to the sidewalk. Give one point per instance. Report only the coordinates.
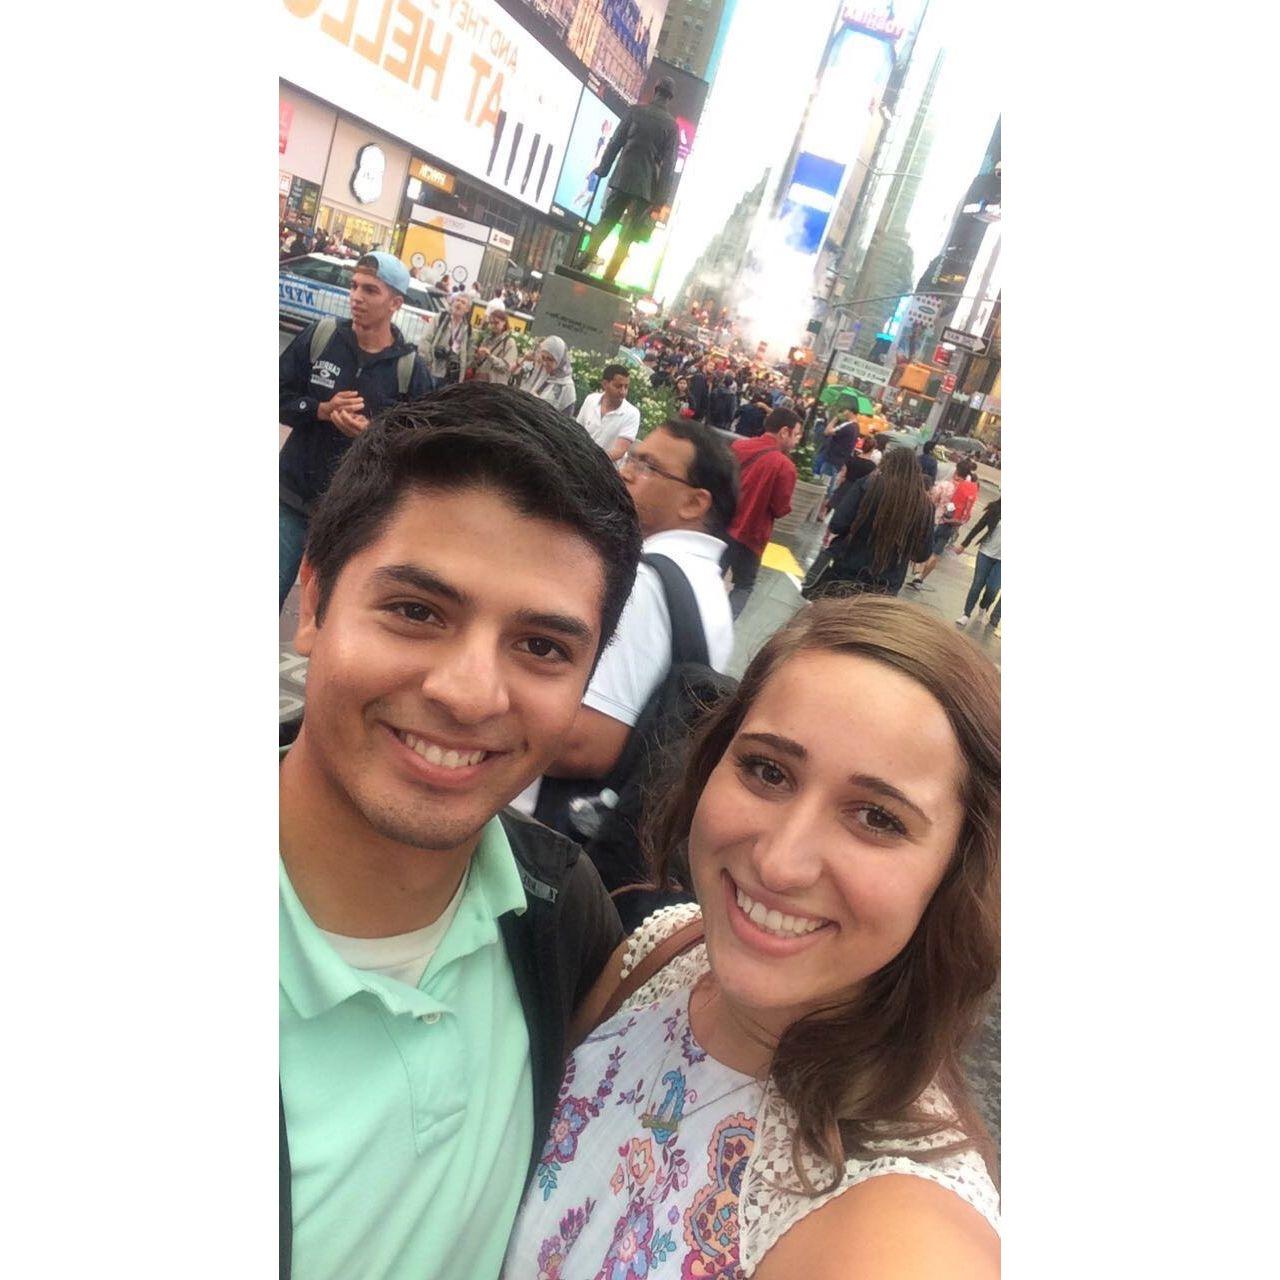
(777, 594)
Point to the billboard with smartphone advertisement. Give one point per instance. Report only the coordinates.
(578, 192)
(466, 83)
(612, 40)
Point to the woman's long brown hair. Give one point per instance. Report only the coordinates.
(897, 505)
(854, 1074)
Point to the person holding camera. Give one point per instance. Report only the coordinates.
(446, 345)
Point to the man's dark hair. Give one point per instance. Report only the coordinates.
(714, 468)
(611, 371)
(665, 88)
(777, 419)
(929, 447)
(479, 434)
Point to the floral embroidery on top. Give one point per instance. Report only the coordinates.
(570, 1118)
(711, 1222)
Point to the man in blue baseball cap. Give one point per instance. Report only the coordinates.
(335, 376)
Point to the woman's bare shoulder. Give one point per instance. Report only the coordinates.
(890, 1227)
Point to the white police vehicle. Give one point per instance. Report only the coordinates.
(318, 284)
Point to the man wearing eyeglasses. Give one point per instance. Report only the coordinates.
(684, 482)
(611, 420)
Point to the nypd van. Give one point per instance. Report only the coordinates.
(318, 284)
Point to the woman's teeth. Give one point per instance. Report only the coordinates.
(436, 755)
(772, 921)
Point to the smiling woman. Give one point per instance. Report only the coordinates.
(783, 1079)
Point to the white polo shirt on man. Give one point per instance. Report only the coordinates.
(639, 656)
(605, 429)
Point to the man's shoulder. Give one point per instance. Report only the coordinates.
(544, 858)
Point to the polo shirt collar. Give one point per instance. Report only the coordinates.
(315, 979)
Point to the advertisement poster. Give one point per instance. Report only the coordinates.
(436, 243)
(686, 106)
(613, 39)
(842, 116)
(578, 192)
(464, 82)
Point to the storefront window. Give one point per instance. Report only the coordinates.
(355, 232)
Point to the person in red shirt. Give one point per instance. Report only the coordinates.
(953, 504)
(767, 479)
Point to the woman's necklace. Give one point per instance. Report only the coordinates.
(664, 1120)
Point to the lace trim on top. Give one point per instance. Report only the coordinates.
(772, 1200)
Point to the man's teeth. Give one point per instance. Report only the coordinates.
(772, 921)
(437, 755)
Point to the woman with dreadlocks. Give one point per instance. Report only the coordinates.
(882, 525)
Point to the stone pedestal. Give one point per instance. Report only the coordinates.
(587, 313)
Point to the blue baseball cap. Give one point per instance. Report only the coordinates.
(390, 270)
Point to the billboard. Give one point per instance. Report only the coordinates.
(842, 114)
(613, 40)
(578, 192)
(466, 83)
(686, 106)
(436, 243)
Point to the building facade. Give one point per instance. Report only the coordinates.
(690, 34)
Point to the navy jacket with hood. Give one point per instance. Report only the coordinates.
(313, 450)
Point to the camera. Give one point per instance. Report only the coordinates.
(442, 353)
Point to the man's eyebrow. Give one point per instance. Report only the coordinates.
(412, 575)
(789, 747)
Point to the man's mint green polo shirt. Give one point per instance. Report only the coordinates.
(409, 1111)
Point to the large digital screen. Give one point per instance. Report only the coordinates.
(686, 106)
(613, 39)
(465, 82)
(855, 69)
(578, 192)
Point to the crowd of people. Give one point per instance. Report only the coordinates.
(595, 961)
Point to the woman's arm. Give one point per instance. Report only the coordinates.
(891, 1227)
(847, 509)
(984, 523)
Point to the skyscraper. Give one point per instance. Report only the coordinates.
(689, 34)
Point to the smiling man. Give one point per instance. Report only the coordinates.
(463, 572)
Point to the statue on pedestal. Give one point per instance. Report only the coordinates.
(644, 147)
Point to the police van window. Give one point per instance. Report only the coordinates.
(308, 268)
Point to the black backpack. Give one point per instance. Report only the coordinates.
(653, 751)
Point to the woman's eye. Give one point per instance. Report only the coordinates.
(763, 771)
(880, 821)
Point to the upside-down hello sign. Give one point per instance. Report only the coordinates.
(461, 79)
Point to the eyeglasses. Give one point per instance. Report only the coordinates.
(646, 468)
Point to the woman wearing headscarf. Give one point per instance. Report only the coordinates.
(552, 378)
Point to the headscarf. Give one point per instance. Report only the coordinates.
(556, 386)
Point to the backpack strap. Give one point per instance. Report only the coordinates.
(404, 371)
(688, 640)
(321, 335)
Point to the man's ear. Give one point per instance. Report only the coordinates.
(305, 636)
(697, 502)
